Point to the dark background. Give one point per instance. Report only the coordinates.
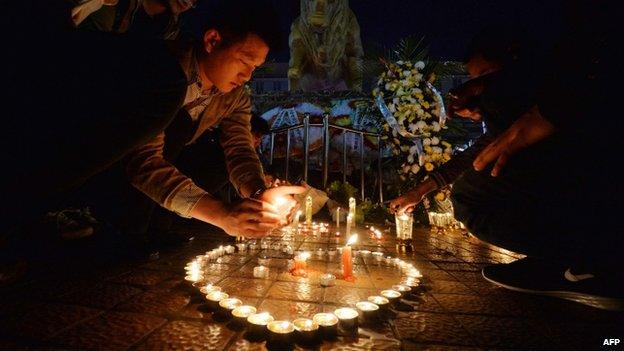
(446, 25)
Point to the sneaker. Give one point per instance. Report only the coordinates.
(534, 276)
(71, 223)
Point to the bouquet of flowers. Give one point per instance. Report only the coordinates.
(414, 118)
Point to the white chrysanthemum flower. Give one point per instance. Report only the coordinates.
(407, 73)
(392, 108)
(419, 65)
(410, 159)
(413, 127)
(435, 141)
(421, 125)
(426, 141)
(396, 100)
(400, 62)
(437, 150)
(415, 168)
(436, 126)
(388, 86)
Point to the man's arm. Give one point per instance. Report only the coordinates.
(243, 165)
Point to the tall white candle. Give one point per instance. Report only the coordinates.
(308, 210)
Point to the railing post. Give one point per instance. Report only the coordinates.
(344, 156)
(287, 154)
(271, 150)
(306, 145)
(325, 150)
(362, 165)
(379, 170)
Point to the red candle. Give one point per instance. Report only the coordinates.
(347, 265)
(300, 264)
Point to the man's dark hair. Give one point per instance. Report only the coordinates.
(259, 125)
(235, 19)
(501, 44)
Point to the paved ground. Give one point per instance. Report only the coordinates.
(144, 304)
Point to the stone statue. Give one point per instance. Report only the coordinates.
(325, 48)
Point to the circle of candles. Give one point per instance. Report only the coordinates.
(261, 272)
(214, 297)
(241, 313)
(328, 279)
(280, 331)
(392, 295)
(328, 324)
(306, 329)
(208, 288)
(380, 301)
(258, 323)
(369, 310)
(347, 318)
(227, 305)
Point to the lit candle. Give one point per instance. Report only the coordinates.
(194, 274)
(301, 264)
(287, 250)
(352, 206)
(328, 279)
(320, 252)
(208, 288)
(380, 301)
(214, 297)
(280, 331)
(347, 263)
(264, 245)
(338, 218)
(404, 223)
(241, 313)
(226, 306)
(413, 273)
(349, 224)
(392, 296)
(308, 210)
(263, 260)
(331, 252)
(306, 330)
(403, 289)
(241, 247)
(328, 324)
(347, 318)
(369, 310)
(365, 253)
(261, 272)
(253, 247)
(411, 282)
(258, 323)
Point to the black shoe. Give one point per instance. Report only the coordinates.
(533, 276)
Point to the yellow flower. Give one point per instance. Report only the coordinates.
(440, 196)
(429, 167)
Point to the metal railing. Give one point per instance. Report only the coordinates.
(326, 145)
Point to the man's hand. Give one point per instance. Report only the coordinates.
(249, 218)
(282, 198)
(526, 131)
(407, 202)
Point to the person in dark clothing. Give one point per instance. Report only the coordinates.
(548, 186)
(497, 53)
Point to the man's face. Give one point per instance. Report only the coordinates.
(478, 66)
(232, 66)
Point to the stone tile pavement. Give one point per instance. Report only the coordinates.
(145, 304)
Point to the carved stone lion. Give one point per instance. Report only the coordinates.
(325, 47)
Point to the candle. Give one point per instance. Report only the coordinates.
(221, 250)
(227, 305)
(352, 206)
(369, 310)
(349, 224)
(288, 250)
(241, 247)
(253, 246)
(389, 260)
(290, 265)
(263, 260)
(214, 297)
(208, 288)
(261, 272)
(403, 289)
(338, 218)
(331, 252)
(347, 263)
(347, 318)
(194, 274)
(413, 273)
(241, 313)
(392, 296)
(308, 210)
(280, 331)
(404, 223)
(365, 253)
(411, 282)
(264, 245)
(328, 324)
(301, 264)
(380, 301)
(306, 330)
(258, 323)
(328, 279)
(320, 253)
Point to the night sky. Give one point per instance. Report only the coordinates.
(447, 25)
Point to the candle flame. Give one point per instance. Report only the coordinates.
(352, 239)
(280, 201)
(304, 256)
